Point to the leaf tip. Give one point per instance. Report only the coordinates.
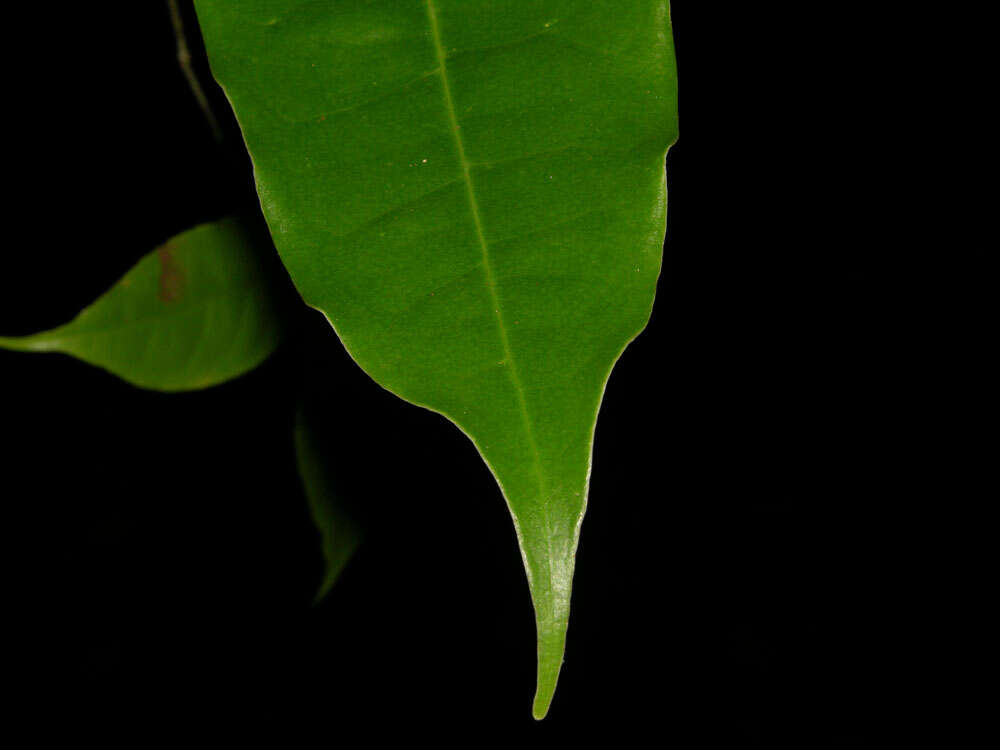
(34, 343)
(543, 695)
(541, 707)
(551, 648)
(324, 588)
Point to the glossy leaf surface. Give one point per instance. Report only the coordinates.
(473, 192)
(339, 533)
(193, 313)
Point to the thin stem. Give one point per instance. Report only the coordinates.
(184, 60)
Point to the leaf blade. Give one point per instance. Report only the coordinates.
(496, 171)
(193, 313)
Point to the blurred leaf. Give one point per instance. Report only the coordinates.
(195, 312)
(473, 192)
(340, 534)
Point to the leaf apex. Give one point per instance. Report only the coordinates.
(23, 343)
(551, 647)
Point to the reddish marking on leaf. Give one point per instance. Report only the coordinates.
(171, 276)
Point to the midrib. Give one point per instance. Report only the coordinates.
(512, 371)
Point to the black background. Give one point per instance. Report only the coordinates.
(730, 589)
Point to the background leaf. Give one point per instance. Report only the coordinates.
(195, 312)
(340, 534)
(473, 193)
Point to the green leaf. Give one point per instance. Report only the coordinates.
(193, 313)
(473, 192)
(339, 533)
